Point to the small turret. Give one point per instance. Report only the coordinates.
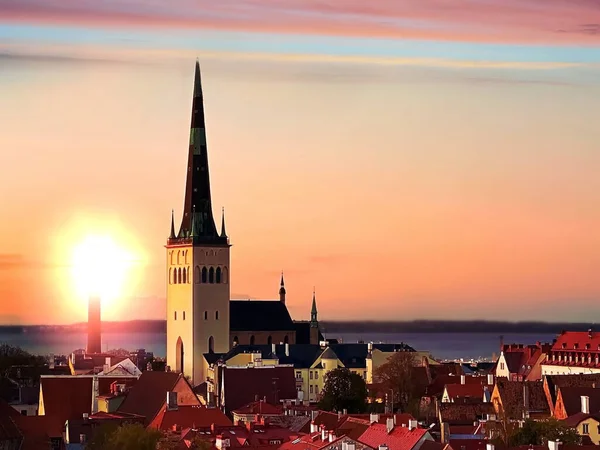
(282, 290)
(314, 321)
(223, 232)
(172, 235)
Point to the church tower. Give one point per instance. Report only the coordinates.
(197, 264)
(314, 321)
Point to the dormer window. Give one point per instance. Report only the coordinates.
(587, 346)
(564, 345)
(575, 346)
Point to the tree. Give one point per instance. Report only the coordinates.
(540, 432)
(127, 437)
(397, 378)
(344, 390)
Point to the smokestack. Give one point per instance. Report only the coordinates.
(463, 379)
(94, 341)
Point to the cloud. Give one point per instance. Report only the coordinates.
(514, 21)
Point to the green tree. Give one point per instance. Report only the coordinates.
(132, 437)
(101, 437)
(344, 390)
(540, 432)
(397, 379)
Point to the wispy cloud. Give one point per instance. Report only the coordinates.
(550, 21)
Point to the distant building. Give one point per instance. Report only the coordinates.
(574, 352)
(518, 362)
(201, 318)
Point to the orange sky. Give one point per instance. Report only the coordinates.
(400, 190)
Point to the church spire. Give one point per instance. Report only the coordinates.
(198, 202)
(282, 290)
(172, 235)
(314, 322)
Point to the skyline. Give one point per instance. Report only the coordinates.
(470, 156)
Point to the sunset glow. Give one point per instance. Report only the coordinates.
(100, 268)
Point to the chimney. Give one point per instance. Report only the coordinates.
(172, 401)
(370, 347)
(313, 428)
(287, 349)
(82, 438)
(585, 404)
(463, 379)
(389, 424)
(374, 418)
(490, 380)
(339, 415)
(323, 434)
(350, 446)
(526, 400)
(86, 417)
(489, 447)
(345, 411)
(331, 436)
(383, 447)
(274, 348)
(256, 398)
(553, 445)
(412, 424)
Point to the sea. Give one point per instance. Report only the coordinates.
(443, 346)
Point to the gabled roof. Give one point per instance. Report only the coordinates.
(149, 394)
(259, 315)
(66, 397)
(512, 394)
(195, 416)
(577, 341)
(555, 382)
(241, 385)
(576, 419)
(475, 390)
(399, 438)
(571, 398)
(252, 436)
(464, 413)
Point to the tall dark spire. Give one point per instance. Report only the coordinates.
(314, 322)
(197, 188)
(282, 289)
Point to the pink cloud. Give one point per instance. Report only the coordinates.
(518, 21)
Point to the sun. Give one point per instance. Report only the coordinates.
(100, 267)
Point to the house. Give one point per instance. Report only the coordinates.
(574, 400)
(125, 367)
(239, 386)
(395, 437)
(553, 383)
(153, 389)
(81, 430)
(259, 408)
(518, 362)
(188, 416)
(520, 399)
(574, 352)
(478, 388)
(324, 440)
(586, 424)
(252, 436)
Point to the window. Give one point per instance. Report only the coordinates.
(316, 375)
(298, 375)
(175, 314)
(311, 388)
(216, 315)
(204, 274)
(211, 275)
(586, 428)
(218, 275)
(205, 315)
(501, 366)
(275, 442)
(310, 375)
(183, 313)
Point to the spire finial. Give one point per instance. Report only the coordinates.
(172, 235)
(313, 311)
(193, 231)
(282, 283)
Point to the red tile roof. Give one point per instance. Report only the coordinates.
(455, 391)
(37, 431)
(399, 438)
(571, 399)
(464, 413)
(241, 385)
(401, 418)
(574, 341)
(149, 394)
(8, 428)
(189, 417)
(314, 441)
(512, 395)
(264, 437)
(66, 397)
(260, 407)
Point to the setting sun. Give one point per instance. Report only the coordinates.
(100, 267)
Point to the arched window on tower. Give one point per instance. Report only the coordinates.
(269, 340)
(224, 275)
(174, 276)
(218, 275)
(197, 275)
(179, 275)
(204, 274)
(216, 315)
(252, 340)
(184, 275)
(211, 345)
(211, 275)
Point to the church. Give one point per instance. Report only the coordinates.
(201, 317)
